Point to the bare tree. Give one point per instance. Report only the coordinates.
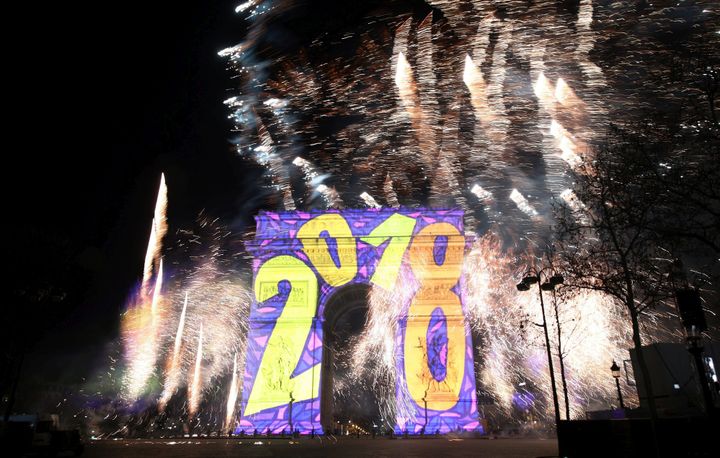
(651, 193)
(606, 237)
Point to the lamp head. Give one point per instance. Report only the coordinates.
(522, 286)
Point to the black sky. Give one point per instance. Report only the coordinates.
(112, 95)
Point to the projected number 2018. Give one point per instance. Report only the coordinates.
(434, 338)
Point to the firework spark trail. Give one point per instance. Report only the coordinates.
(331, 196)
(143, 318)
(522, 203)
(415, 108)
(473, 79)
(594, 333)
(314, 180)
(196, 386)
(436, 135)
(565, 95)
(492, 309)
(157, 233)
(369, 200)
(266, 154)
(389, 191)
(312, 177)
(157, 295)
(496, 81)
(429, 125)
(564, 142)
(216, 307)
(574, 203)
(482, 194)
(232, 396)
(407, 90)
(594, 75)
(208, 300)
(173, 370)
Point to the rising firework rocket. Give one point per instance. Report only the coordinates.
(172, 372)
(232, 396)
(195, 388)
(143, 318)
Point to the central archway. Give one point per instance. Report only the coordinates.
(344, 319)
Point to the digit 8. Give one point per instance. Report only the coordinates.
(435, 292)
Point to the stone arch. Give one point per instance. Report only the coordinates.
(307, 264)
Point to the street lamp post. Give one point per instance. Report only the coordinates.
(556, 280)
(615, 369)
(425, 402)
(290, 420)
(693, 320)
(548, 285)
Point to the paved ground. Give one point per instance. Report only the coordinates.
(343, 448)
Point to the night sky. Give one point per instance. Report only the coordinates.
(115, 94)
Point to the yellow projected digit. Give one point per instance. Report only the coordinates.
(436, 282)
(316, 236)
(273, 384)
(398, 228)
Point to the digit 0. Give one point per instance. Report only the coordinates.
(325, 236)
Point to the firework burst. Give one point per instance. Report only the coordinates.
(484, 106)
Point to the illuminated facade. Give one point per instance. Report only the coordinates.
(301, 259)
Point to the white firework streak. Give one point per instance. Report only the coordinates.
(157, 233)
(196, 385)
(143, 317)
(369, 200)
(173, 370)
(265, 153)
(522, 203)
(389, 191)
(232, 396)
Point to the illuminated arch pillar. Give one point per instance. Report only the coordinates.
(302, 258)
